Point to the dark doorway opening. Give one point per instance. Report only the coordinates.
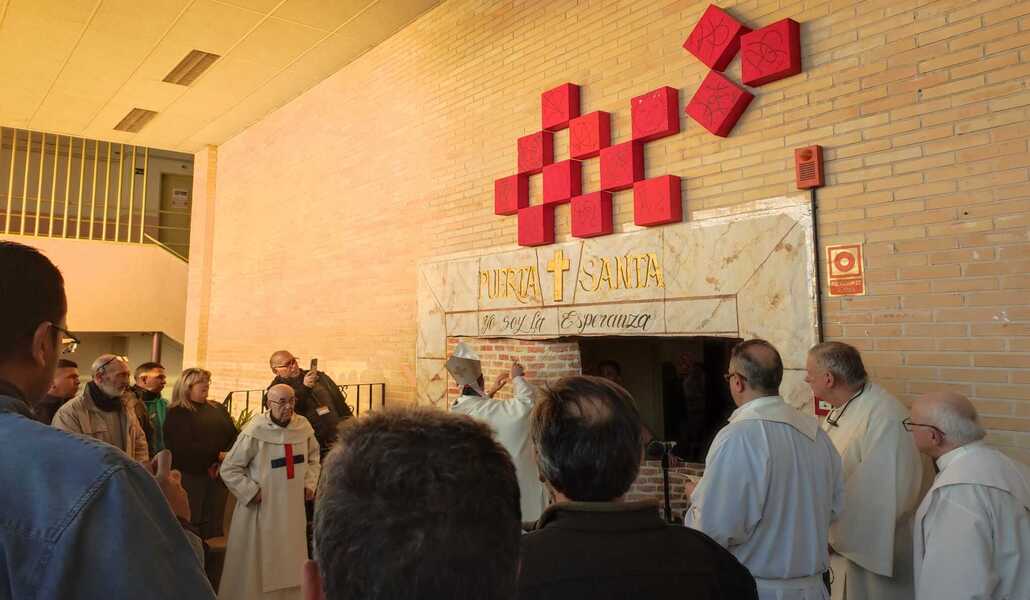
(677, 383)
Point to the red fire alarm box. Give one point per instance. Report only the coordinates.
(808, 167)
(822, 407)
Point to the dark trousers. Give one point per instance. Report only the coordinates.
(207, 503)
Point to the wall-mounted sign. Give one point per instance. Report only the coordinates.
(845, 274)
(180, 198)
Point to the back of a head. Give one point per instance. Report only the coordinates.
(759, 362)
(588, 437)
(956, 416)
(842, 360)
(33, 292)
(417, 504)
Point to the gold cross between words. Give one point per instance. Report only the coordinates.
(558, 265)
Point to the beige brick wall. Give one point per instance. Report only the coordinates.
(324, 207)
(544, 360)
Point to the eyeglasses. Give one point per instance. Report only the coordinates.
(290, 402)
(69, 343)
(101, 368)
(908, 425)
(728, 376)
(292, 363)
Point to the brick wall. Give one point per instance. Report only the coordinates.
(649, 486)
(324, 207)
(545, 361)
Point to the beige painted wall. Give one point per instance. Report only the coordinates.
(324, 207)
(116, 286)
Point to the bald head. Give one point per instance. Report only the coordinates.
(952, 414)
(279, 357)
(279, 392)
(284, 365)
(953, 402)
(281, 400)
(759, 363)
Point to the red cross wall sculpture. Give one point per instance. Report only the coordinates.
(768, 54)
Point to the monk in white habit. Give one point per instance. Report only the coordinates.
(972, 530)
(772, 483)
(883, 478)
(508, 418)
(271, 469)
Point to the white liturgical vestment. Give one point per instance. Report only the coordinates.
(267, 541)
(771, 488)
(883, 477)
(972, 531)
(510, 421)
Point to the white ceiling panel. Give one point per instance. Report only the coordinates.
(77, 67)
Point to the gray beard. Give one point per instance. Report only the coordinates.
(283, 424)
(110, 390)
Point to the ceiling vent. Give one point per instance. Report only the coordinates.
(191, 67)
(135, 120)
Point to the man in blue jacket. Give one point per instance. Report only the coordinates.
(80, 520)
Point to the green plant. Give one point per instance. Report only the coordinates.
(243, 418)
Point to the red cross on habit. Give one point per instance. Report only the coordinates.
(289, 461)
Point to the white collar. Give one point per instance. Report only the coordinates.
(752, 406)
(952, 455)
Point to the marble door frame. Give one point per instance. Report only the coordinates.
(743, 271)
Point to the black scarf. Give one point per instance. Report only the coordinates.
(103, 401)
(144, 394)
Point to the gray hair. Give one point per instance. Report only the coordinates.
(960, 429)
(842, 360)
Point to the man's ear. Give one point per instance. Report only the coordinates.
(42, 343)
(311, 582)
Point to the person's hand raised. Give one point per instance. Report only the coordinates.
(516, 369)
(170, 482)
(310, 378)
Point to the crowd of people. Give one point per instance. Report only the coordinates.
(110, 491)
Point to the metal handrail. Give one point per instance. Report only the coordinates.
(373, 392)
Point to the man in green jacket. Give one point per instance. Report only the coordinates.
(152, 408)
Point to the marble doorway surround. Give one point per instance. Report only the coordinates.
(744, 271)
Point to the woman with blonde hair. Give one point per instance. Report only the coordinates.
(199, 432)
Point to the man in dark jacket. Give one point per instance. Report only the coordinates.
(63, 388)
(319, 399)
(593, 544)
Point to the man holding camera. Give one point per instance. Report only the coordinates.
(319, 399)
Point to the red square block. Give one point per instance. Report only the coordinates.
(771, 53)
(588, 134)
(536, 150)
(511, 194)
(657, 201)
(562, 181)
(715, 39)
(536, 225)
(558, 106)
(592, 215)
(655, 114)
(718, 103)
(621, 166)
